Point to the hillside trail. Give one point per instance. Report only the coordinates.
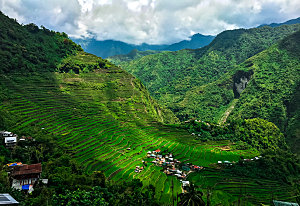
(228, 111)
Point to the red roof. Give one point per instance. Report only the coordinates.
(158, 150)
(27, 169)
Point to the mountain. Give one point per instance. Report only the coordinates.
(289, 22)
(272, 92)
(110, 48)
(134, 54)
(196, 41)
(170, 76)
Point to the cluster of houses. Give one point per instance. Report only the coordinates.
(172, 166)
(138, 169)
(10, 139)
(22, 176)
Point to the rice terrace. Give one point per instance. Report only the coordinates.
(100, 142)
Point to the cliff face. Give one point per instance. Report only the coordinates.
(240, 80)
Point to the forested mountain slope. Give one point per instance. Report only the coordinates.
(271, 93)
(273, 90)
(169, 76)
(132, 55)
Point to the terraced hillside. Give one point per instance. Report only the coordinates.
(243, 191)
(97, 116)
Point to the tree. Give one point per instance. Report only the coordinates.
(191, 198)
(81, 197)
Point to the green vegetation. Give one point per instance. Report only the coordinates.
(272, 92)
(257, 133)
(30, 49)
(186, 80)
(83, 62)
(134, 54)
(69, 183)
(94, 123)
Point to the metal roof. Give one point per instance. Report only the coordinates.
(280, 203)
(6, 199)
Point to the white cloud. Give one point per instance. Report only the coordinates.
(150, 21)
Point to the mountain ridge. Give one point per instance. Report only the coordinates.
(109, 48)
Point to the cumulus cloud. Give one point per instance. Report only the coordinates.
(149, 21)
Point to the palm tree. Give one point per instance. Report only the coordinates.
(192, 197)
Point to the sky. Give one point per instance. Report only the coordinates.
(148, 21)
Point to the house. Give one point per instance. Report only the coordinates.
(6, 199)
(157, 151)
(195, 167)
(280, 203)
(6, 134)
(23, 138)
(25, 176)
(185, 183)
(10, 141)
(152, 155)
(186, 168)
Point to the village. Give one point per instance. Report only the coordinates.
(170, 165)
(174, 167)
(22, 177)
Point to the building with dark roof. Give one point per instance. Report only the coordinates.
(25, 176)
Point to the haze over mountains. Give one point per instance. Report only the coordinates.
(110, 47)
(292, 21)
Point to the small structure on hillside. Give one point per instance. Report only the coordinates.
(6, 199)
(156, 151)
(25, 176)
(185, 183)
(10, 139)
(280, 203)
(23, 138)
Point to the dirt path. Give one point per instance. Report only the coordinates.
(228, 111)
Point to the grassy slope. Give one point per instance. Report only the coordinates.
(170, 76)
